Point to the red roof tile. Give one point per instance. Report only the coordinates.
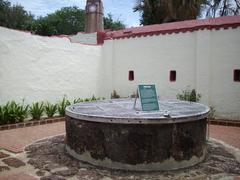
(176, 27)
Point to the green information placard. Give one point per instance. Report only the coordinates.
(148, 97)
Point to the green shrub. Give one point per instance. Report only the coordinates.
(2, 119)
(93, 98)
(50, 109)
(189, 95)
(36, 110)
(87, 99)
(114, 95)
(21, 112)
(62, 106)
(212, 112)
(13, 112)
(78, 100)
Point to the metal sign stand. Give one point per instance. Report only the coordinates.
(135, 101)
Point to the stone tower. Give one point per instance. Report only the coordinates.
(94, 16)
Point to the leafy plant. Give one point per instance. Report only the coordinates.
(114, 95)
(13, 112)
(93, 98)
(212, 112)
(78, 100)
(2, 114)
(50, 109)
(20, 111)
(189, 95)
(36, 110)
(87, 99)
(62, 106)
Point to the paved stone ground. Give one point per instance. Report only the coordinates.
(14, 141)
(51, 160)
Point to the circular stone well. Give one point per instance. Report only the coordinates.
(113, 134)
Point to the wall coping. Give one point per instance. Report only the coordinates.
(176, 27)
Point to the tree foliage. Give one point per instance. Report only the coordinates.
(161, 11)
(68, 20)
(216, 8)
(109, 23)
(15, 16)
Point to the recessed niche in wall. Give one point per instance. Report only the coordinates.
(131, 75)
(236, 75)
(173, 75)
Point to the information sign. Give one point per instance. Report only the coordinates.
(148, 97)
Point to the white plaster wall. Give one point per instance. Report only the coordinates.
(225, 57)
(105, 75)
(151, 59)
(42, 68)
(204, 60)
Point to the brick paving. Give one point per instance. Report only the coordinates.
(15, 140)
(227, 134)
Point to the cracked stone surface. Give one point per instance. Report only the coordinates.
(13, 162)
(51, 153)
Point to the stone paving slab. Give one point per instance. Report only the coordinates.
(219, 164)
(13, 162)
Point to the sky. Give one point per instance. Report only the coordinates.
(120, 9)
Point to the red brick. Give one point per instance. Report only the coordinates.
(20, 125)
(28, 124)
